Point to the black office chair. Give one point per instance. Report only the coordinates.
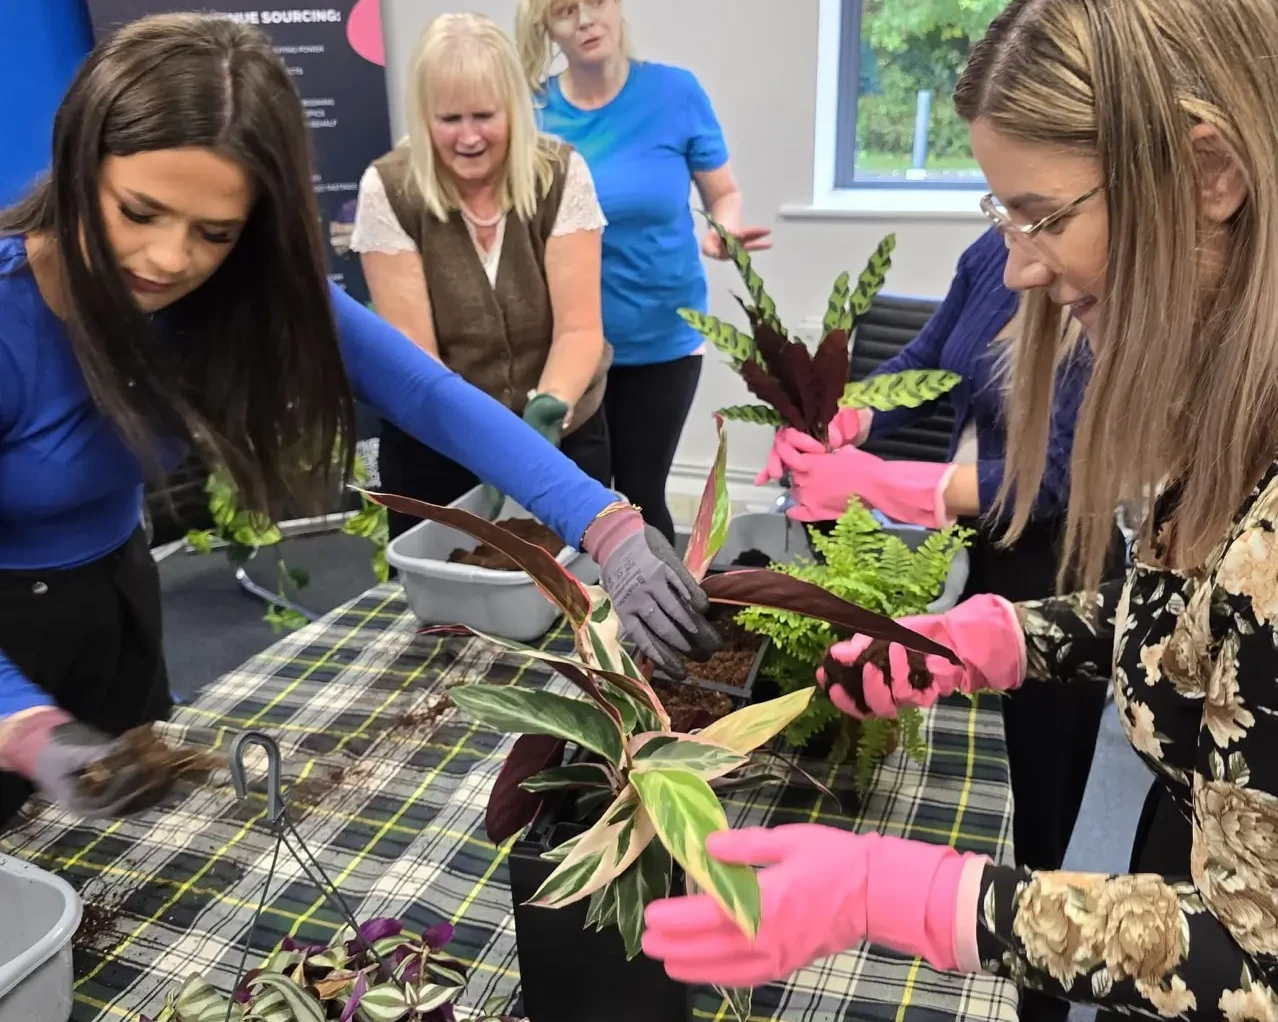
(892, 322)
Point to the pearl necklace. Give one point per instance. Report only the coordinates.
(475, 221)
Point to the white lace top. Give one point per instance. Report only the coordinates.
(377, 229)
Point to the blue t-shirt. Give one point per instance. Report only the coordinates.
(71, 490)
(642, 149)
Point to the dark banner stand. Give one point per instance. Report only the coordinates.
(336, 58)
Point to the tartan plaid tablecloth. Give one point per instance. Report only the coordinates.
(389, 793)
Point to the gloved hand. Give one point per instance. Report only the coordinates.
(547, 414)
(662, 609)
(824, 891)
(50, 748)
(822, 482)
(983, 631)
(849, 426)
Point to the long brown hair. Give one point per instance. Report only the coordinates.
(1184, 382)
(247, 366)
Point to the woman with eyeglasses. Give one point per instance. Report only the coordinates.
(649, 135)
(1130, 145)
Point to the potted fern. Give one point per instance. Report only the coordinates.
(639, 797)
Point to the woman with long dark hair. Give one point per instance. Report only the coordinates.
(165, 288)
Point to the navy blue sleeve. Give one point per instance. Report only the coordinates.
(1053, 493)
(706, 147)
(428, 401)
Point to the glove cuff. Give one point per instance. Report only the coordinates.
(25, 734)
(609, 530)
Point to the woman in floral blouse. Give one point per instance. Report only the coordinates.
(1130, 146)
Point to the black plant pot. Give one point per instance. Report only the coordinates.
(572, 974)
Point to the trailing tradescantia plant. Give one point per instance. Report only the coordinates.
(657, 790)
(382, 974)
(803, 389)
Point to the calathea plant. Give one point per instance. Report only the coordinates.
(657, 790)
(803, 389)
(383, 973)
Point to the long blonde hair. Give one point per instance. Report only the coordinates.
(470, 52)
(536, 48)
(1184, 383)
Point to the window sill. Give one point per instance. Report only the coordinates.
(888, 204)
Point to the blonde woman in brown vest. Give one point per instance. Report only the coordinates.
(480, 240)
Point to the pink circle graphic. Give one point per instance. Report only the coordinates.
(364, 31)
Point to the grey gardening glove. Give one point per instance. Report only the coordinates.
(51, 749)
(662, 609)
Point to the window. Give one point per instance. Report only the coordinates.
(898, 63)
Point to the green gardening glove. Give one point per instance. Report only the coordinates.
(546, 413)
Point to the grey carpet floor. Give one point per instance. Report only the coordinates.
(212, 626)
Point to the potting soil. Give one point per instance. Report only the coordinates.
(527, 529)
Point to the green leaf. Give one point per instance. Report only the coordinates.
(763, 305)
(910, 388)
(836, 308)
(710, 527)
(737, 345)
(381, 567)
(304, 1006)
(516, 711)
(645, 716)
(739, 1000)
(870, 282)
(200, 540)
(704, 758)
(758, 415)
(644, 882)
(575, 775)
(600, 855)
(429, 996)
(751, 726)
(383, 1003)
(685, 811)
(197, 1001)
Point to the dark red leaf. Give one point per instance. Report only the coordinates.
(765, 388)
(559, 585)
(799, 381)
(510, 808)
(438, 936)
(379, 929)
(830, 373)
(760, 587)
(771, 345)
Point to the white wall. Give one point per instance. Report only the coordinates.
(758, 61)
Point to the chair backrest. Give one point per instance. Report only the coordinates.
(892, 322)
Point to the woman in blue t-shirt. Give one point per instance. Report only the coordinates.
(648, 133)
(164, 287)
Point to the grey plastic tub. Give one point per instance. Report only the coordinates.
(41, 915)
(506, 604)
(784, 541)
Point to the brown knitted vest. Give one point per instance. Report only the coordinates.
(495, 337)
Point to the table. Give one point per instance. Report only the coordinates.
(393, 795)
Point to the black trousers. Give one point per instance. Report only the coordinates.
(647, 407)
(90, 636)
(411, 469)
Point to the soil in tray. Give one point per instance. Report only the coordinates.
(732, 663)
(691, 707)
(528, 529)
(752, 559)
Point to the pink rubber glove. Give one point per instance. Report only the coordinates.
(824, 891)
(823, 482)
(849, 426)
(983, 631)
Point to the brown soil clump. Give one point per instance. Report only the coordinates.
(528, 529)
(691, 707)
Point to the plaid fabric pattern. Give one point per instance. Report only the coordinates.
(389, 792)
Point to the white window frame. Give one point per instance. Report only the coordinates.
(838, 59)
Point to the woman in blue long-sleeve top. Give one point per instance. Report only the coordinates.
(165, 287)
(1051, 731)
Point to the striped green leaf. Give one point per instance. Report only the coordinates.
(836, 310)
(685, 812)
(736, 344)
(561, 852)
(521, 712)
(763, 305)
(385, 1002)
(304, 1005)
(751, 726)
(575, 775)
(870, 283)
(703, 758)
(426, 997)
(197, 1001)
(758, 415)
(269, 1006)
(645, 716)
(909, 388)
(645, 882)
(600, 855)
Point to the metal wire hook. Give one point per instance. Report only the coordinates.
(274, 771)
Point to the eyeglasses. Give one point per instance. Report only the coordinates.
(570, 13)
(1027, 234)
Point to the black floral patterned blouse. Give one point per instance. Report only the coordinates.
(1195, 668)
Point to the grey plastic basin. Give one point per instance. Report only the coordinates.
(41, 914)
(505, 604)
